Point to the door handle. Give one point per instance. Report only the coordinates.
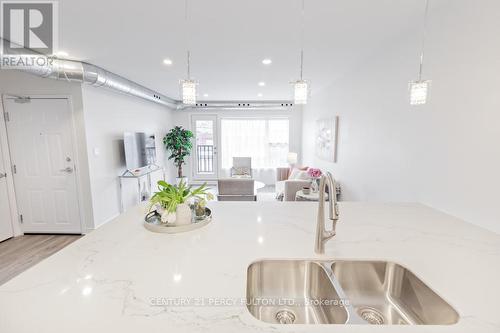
(68, 170)
(3, 175)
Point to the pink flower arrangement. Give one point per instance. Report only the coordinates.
(314, 173)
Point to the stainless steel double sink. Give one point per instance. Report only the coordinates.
(342, 292)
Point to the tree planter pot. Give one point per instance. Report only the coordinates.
(179, 179)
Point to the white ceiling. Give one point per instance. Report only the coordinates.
(229, 39)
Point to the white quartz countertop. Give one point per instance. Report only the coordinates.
(108, 280)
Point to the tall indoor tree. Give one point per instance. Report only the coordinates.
(178, 144)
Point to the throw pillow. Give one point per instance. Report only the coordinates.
(241, 171)
(294, 173)
(302, 175)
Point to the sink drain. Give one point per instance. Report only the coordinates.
(371, 315)
(285, 317)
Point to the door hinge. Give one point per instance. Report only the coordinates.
(21, 219)
(14, 169)
(6, 116)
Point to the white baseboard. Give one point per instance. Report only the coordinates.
(103, 223)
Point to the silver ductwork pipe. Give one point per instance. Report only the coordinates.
(78, 71)
(241, 105)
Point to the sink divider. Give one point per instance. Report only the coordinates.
(352, 316)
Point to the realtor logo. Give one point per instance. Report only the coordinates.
(28, 27)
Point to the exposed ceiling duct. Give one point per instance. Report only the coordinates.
(242, 105)
(78, 71)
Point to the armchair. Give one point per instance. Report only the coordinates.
(287, 188)
(242, 167)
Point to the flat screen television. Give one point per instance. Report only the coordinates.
(140, 150)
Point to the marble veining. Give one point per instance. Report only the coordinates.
(107, 280)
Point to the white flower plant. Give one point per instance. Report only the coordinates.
(169, 196)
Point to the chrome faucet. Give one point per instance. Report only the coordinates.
(323, 235)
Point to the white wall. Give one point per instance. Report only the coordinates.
(101, 117)
(107, 116)
(444, 154)
(21, 84)
(183, 118)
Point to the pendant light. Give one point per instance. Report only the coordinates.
(301, 87)
(188, 86)
(419, 89)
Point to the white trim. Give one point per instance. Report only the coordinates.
(103, 223)
(4, 142)
(194, 164)
(76, 162)
(15, 223)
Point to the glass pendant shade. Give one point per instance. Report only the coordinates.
(188, 89)
(301, 91)
(419, 92)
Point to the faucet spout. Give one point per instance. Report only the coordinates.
(322, 234)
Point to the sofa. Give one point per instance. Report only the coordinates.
(287, 184)
(236, 189)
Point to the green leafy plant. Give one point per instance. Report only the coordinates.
(170, 196)
(178, 143)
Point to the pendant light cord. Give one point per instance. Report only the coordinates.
(302, 28)
(186, 20)
(424, 35)
(188, 65)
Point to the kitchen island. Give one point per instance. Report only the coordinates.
(123, 278)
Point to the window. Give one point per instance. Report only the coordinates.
(264, 140)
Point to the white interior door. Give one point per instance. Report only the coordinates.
(205, 158)
(40, 134)
(5, 217)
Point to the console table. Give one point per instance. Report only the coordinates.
(146, 172)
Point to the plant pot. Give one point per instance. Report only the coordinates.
(183, 179)
(183, 214)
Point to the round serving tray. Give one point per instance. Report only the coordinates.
(153, 223)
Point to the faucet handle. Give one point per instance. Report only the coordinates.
(328, 234)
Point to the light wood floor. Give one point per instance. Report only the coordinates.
(20, 253)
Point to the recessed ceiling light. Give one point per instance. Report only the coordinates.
(205, 95)
(262, 84)
(167, 61)
(62, 54)
(260, 95)
(267, 61)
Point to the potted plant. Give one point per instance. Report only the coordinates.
(178, 144)
(171, 202)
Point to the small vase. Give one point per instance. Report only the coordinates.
(184, 214)
(314, 185)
